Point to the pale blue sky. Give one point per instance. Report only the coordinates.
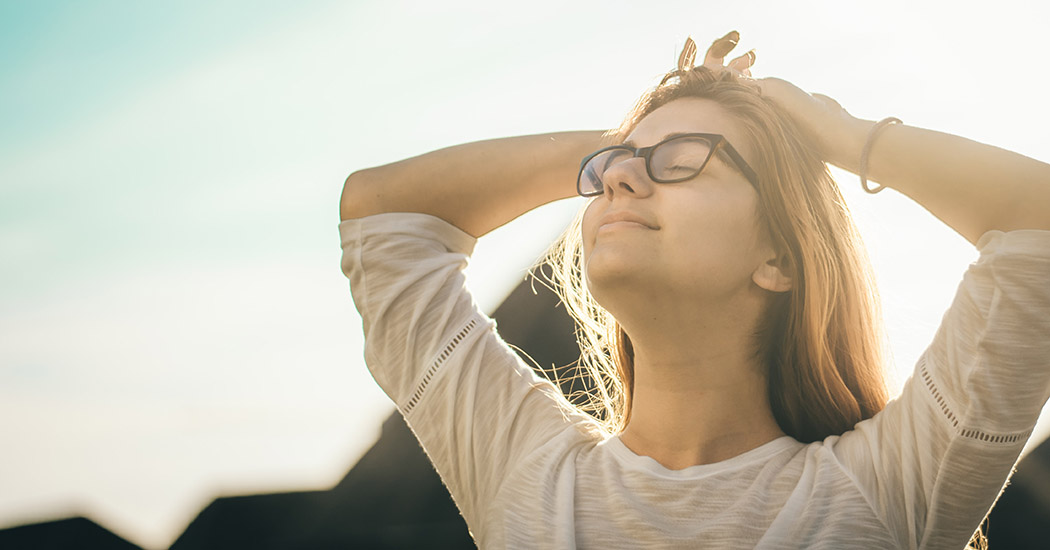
(63, 60)
(172, 319)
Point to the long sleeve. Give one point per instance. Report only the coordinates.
(934, 461)
(476, 408)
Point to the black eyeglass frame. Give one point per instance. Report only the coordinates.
(717, 140)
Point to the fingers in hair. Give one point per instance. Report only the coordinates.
(720, 48)
(743, 62)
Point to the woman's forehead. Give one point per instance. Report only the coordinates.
(690, 114)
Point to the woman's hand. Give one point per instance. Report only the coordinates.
(830, 127)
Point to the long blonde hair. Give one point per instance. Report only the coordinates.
(821, 341)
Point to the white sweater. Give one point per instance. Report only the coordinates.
(528, 471)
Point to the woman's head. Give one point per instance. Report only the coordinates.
(700, 240)
(788, 240)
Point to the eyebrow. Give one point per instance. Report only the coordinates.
(721, 153)
(630, 143)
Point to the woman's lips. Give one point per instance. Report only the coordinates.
(624, 219)
(622, 225)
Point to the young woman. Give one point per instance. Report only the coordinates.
(729, 323)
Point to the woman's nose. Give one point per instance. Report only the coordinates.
(628, 177)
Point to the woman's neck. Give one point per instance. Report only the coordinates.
(698, 399)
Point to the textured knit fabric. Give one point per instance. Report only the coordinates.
(528, 471)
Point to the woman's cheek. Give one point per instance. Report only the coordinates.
(590, 219)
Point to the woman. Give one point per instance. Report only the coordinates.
(729, 322)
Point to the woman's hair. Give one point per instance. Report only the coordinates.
(821, 341)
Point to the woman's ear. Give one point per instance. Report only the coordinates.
(774, 274)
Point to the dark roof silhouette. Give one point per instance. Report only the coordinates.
(62, 534)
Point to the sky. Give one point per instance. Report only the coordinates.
(173, 322)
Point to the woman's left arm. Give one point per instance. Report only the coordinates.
(935, 459)
(970, 186)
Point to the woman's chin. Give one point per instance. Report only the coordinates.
(611, 266)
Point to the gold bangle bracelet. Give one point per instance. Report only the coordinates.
(867, 150)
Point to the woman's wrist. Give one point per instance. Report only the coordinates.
(845, 142)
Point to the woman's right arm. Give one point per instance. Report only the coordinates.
(475, 407)
(476, 186)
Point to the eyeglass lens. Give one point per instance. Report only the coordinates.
(675, 160)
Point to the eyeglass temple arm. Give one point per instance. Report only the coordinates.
(740, 163)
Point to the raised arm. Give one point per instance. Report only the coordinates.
(475, 186)
(970, 186)
(474, 405)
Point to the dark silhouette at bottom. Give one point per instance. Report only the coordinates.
(78, 532)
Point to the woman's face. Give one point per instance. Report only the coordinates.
(700, 238)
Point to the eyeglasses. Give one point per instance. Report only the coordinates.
(675, 159)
